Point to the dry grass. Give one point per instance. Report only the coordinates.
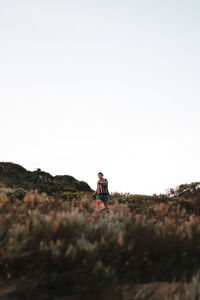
(63, 243)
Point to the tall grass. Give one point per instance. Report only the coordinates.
(64, 242)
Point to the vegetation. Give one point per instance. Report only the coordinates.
(57, 245)
(15, 176)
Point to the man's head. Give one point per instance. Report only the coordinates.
(100, 175)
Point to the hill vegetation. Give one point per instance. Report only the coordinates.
(58, 247)
(16, 176)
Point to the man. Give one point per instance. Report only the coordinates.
(102, 193)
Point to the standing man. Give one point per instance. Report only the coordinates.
(102, 193)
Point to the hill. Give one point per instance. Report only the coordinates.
(15, 176)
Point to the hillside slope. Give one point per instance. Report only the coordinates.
(16, 176)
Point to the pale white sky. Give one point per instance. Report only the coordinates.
(111, 86)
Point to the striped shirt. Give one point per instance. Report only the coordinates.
(102, 186)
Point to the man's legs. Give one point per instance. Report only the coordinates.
(105, 201)
(105, 204)
(98, 204)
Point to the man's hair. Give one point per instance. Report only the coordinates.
(100, 173)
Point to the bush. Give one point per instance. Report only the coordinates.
(61, 241)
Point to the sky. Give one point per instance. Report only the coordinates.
(110, 86)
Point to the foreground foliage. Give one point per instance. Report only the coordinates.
(62, 243)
